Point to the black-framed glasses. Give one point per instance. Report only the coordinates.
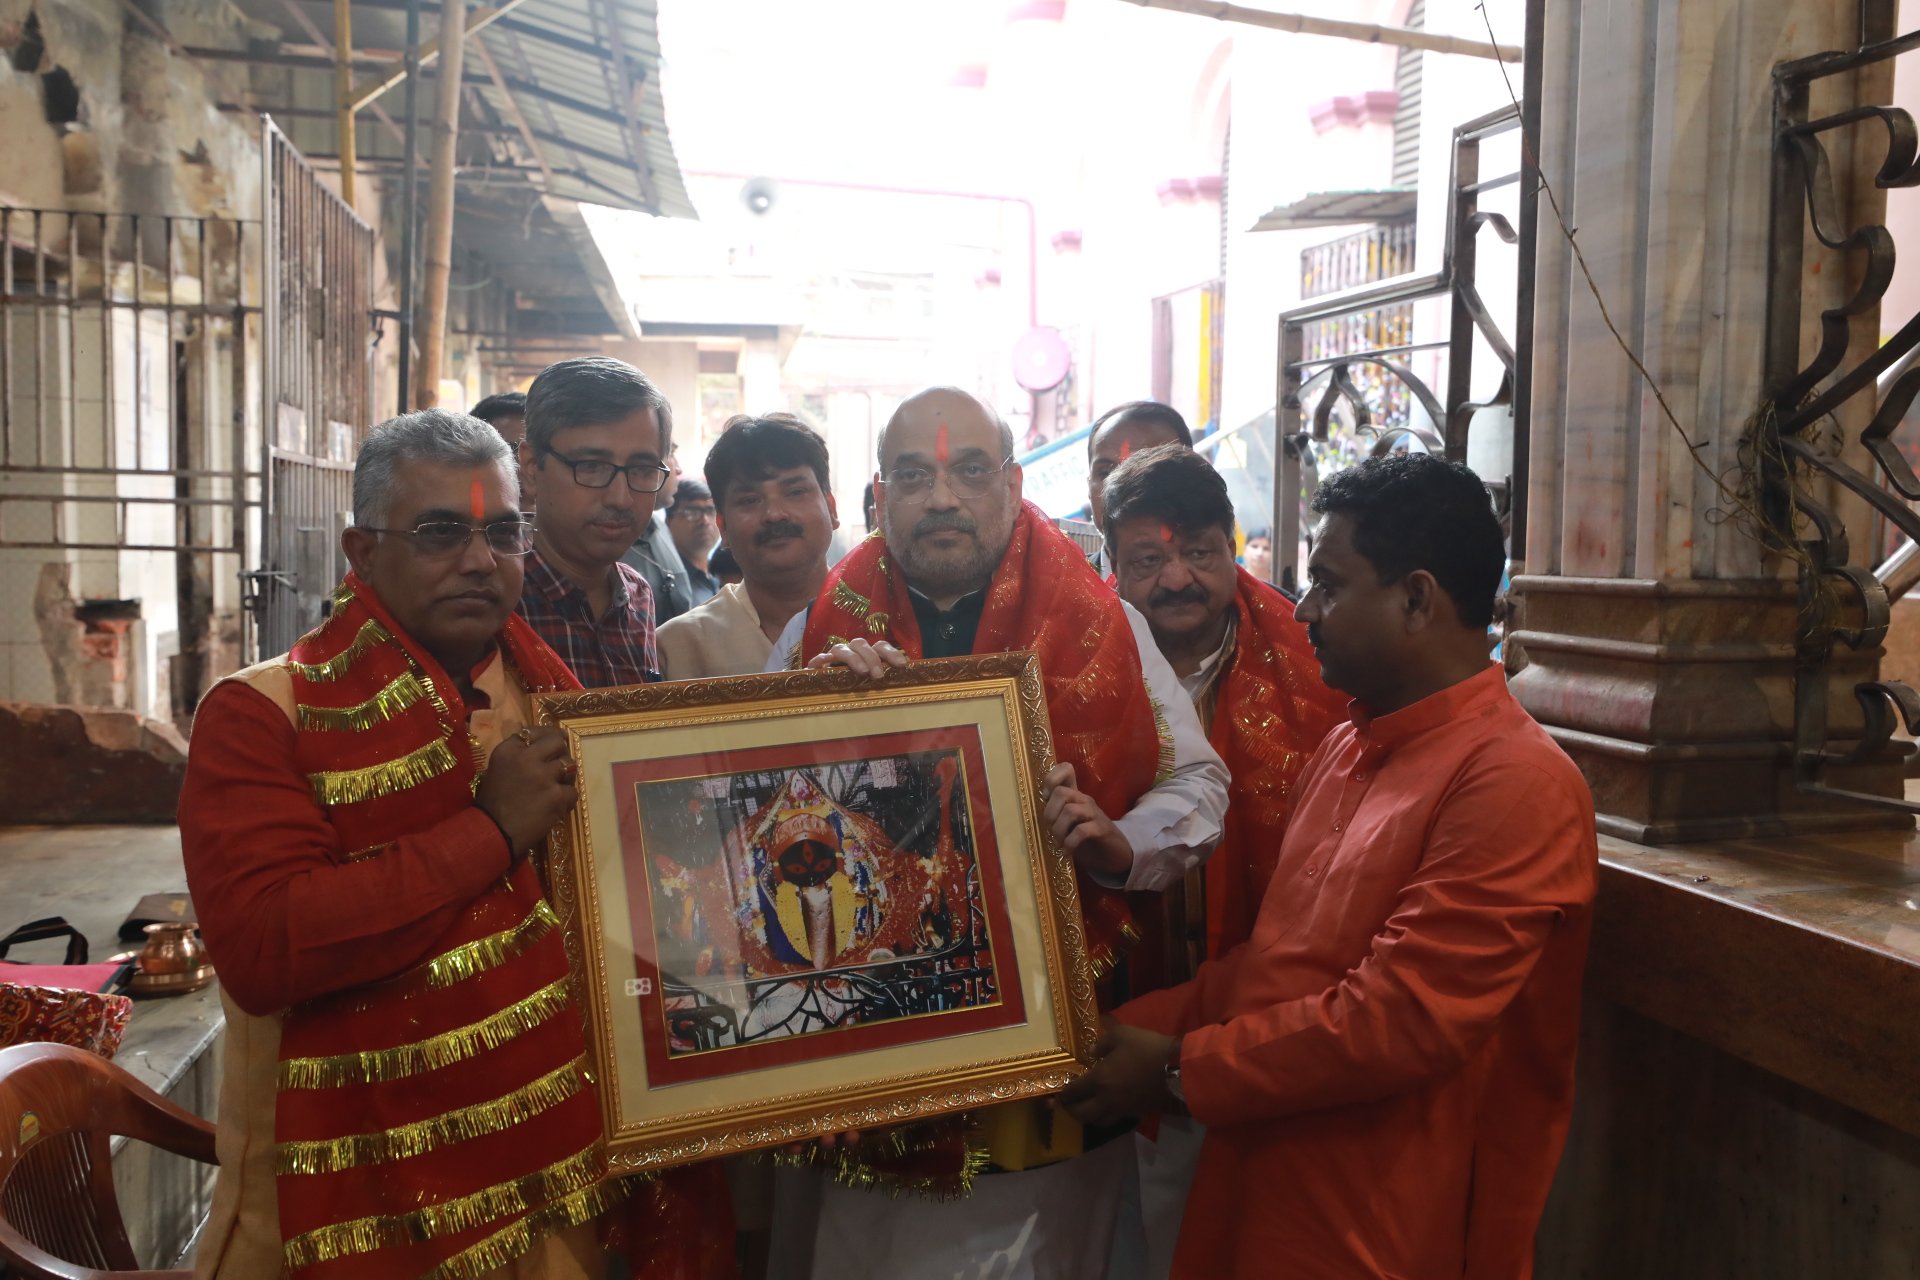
(684, 512)
(966, 479)
(596, 473)
(437, 539)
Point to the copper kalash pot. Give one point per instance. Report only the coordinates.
(173, 962)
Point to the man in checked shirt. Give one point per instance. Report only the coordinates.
(594, 459)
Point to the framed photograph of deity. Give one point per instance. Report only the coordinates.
(804, 903)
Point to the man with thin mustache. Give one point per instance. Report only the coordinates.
(594, 456)
(1246, 663)
(769, 480)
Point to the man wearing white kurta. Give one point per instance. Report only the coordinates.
(769, 480)
(948, 525)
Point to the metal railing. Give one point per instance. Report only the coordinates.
(1373, 347)
(1841, 603)
(1366, 257)
(317, 387)
(124, 343)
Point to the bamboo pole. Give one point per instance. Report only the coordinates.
(432, 330)
(362, 95)
(1368, 32)
(343, 94)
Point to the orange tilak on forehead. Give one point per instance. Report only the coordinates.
(478, 498)
(1166, 533)
(1126, 450)
(941, 445)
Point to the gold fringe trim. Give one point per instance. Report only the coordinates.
(1163, 767)
(852, 601)
(1101, 960)
(364, 1235)
(371, 633)
(404, 692)
(877, 623)
(377, 1066)
(492, 951)
(331, 1155)
(502, 1247)
(852, 1166)
(351, 786)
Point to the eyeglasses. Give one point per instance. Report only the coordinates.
(967, 480)
(690, 513)
(593, 473)
(438, 539)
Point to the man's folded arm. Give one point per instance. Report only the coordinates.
(1507, 858)
(284, 919)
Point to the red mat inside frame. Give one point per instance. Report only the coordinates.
(1009, 1008)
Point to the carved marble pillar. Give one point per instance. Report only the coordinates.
(1655, 636)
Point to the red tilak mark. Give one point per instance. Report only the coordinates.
(479, 501)
(1166, 533)
(1126, 450)
(940, 445)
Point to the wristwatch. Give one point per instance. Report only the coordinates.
(1171, 1074)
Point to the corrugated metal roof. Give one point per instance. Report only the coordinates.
(585, 76)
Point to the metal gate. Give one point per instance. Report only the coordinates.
(125, 341)
(317, 384)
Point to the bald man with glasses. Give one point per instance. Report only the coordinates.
(1137, 796)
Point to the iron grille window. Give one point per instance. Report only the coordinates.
(1378, 253)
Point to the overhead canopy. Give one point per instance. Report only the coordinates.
(575, 105)
(1339, 208)
(585, 77)
(561, 104)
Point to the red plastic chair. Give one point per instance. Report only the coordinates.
(59, 1109)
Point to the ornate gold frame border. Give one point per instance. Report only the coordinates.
(962, 1085)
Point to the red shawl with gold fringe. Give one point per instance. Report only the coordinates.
(442, 1122)
(1269, 715)
(1045, 598)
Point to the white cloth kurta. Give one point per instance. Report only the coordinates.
(719, 638)
(1058, 1222)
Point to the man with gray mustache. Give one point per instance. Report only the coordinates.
(965, 566)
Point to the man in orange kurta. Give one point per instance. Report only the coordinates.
(1244, 660)
(1385, 1069)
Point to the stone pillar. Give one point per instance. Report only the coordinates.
(1655, 637)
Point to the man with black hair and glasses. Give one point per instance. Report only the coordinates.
(506, 413)
(594, 457)
(657, 557)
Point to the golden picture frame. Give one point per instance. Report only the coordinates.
(805, 902)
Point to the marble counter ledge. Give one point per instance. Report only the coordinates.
(1801, 956)
(93, 876)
